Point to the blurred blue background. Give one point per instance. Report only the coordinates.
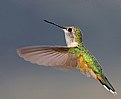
(21, 24)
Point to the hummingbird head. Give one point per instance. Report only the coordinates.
(73, 35)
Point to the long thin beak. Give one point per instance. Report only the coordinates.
(55, 24)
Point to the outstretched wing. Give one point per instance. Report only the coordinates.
(49, 56)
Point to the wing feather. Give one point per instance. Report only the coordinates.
(49, 56)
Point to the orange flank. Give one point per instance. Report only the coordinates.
(100, 78)
(85, 67)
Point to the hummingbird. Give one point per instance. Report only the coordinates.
(74, 56)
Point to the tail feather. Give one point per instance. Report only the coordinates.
(106, 84)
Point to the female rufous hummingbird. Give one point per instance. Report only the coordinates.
(74, 56)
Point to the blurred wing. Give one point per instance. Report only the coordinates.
(49, 56)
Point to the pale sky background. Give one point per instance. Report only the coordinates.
(21, 24)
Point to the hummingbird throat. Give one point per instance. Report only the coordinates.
(70, 39)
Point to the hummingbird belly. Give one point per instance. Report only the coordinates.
(85, 68)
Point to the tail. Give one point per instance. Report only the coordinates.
(106, 84)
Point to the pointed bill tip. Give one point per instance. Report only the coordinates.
(46, 21)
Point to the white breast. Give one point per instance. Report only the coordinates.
(69, 41)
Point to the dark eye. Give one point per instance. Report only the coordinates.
(70, 29)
